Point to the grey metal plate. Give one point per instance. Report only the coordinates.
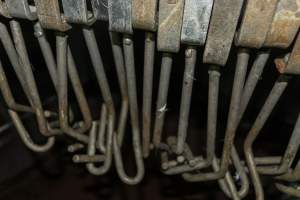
(221, 31)
(76, 11)
(169, 25)
(119, 12)
(21, 9)
(195, 21)
(100, 9)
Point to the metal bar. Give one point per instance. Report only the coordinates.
(144, 14)
(273, 98)
(161, 103)
(221, 31)
(49, 15)
(119, 12)
(100, 9)
(29, 77)
(76, 11)
(187, 87)
(133, 108)
(21, 9)
(149, 55)
(169, 25)
(238, 83)
(291, 191)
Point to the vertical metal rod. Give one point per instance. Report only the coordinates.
(147, 90)
(161, 103)
(133, 108)
(273, 98)
(120, 68)
(239, 79)
(187, 88)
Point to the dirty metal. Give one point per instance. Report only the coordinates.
(49, 15)
(292, 65)
(100, 9)
(120, 19)
(195, 21)
(4, 10)
(76, 11)
(144, 14)
(255, 24)
(285, 24)
(21, 9)
(274, 96)
(169, 25)
(221, 31)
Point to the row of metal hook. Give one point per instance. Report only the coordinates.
(193, 23)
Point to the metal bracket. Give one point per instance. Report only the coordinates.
(196, 21)
(119, 12)
(221, 31)
(49, 15)
(285, 24)
(4, 10)
(144, 14)
(76, 11)
(256, 22)
(170, 23)
(21, 9)
(100, 9)
(290, 65)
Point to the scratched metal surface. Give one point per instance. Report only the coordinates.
(169, 25)
(144, 14)
(221, 31)
(196, 21)
(100, 9)
(285, 24)
(120, 19)
(21, 9)
(255, 24)
(76, 11)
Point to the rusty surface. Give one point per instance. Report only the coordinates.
(292, 66)
(255, 23)
(170, 22)
(221, 31)
(49, 15)
(285, 24)
(144, 14)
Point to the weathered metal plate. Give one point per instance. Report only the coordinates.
(100, 9)
(4, 10)
(170, 23)
(195, 21)
(76, 11)
(292, 65)
(256, 23)
(221, 31)
(285, 24)
(144, 14)
(21, 9)
(119, 12)
(49, 15)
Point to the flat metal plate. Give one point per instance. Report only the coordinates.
(285, 24)
(221, 31)
(195, 21)
(49, 15)
(256, 22)
(100, 9)
(4, 10)
(292, 65)
(169, 25)
(21, 9)
(144, 14)
(76, 11)
(119, 12)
